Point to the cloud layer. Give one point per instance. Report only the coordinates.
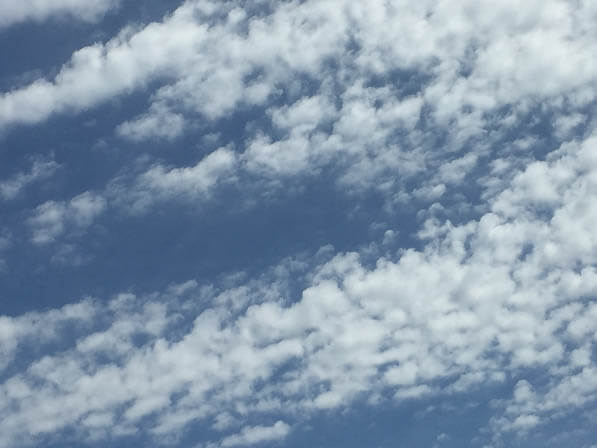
(470, 122)
(483, 302)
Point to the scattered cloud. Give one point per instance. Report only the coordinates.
(253, 435)
(475, 306)
(41, 169)
(51, 219)
(157, 123)
(12, 13)
(454, 115)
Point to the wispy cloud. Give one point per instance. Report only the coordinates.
(41, 169)
(51, 219)
(12, 13)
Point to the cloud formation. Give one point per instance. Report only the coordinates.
(452, 114)
(41, 169)
(12, 13)
(483, 302)
(52, 218)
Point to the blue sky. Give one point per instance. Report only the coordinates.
(298, 223)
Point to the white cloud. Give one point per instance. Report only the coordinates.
(39, 327)
(161, 182)
(100, 71)
(51, 219)
(197, 179)
(383, 93)
(253, 435)
(5, 243)
(135, 194)
(12, 12)
(41, 169)
(482, 302)
(159, 122)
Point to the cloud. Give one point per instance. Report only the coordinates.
(51, 219)
(253, 435)
(5, 243)
(40, 327)
(453, 112)
(482, 302)
(101, 71)
(159, 122)
(251, 66)
(197, 179)
(38, 10)
(41, 169)
(159, 183)
(129, 194)
(336, 88)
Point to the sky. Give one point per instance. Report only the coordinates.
(324, 223)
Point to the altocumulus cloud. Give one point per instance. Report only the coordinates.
(468, 128)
